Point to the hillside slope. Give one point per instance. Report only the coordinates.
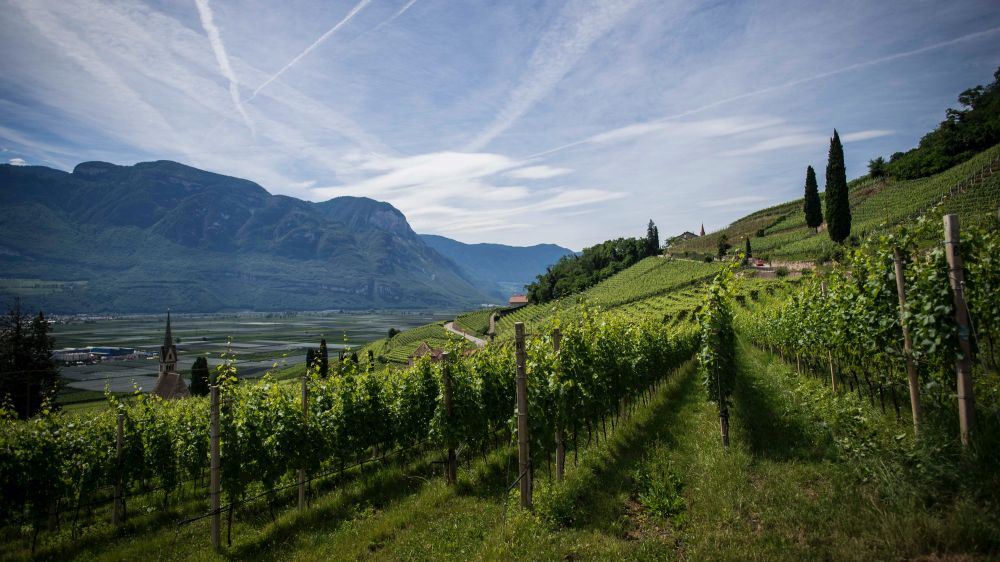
(160, 234)
(971, 189)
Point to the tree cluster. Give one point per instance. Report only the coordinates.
(574, 273)
(28, 375)
(964, 132)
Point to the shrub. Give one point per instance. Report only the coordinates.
(781, 271)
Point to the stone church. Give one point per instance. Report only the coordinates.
(169, 383)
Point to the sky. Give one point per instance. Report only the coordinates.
(516, 122)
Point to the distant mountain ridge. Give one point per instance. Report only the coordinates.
(510, 268)
(160, 234)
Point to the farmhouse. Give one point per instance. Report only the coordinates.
(517, 301)
(425, 349)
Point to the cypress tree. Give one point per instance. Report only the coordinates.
(652, 239)
(310, 358)
(199, 377)
(838, 207)
(811, 206)
(749, 252)
(324, 361)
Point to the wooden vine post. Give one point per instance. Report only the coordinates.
(524, 460)
(963, 363)
(560, 438)
(214, 476)
(116, 512)
(302, 471)
(451, 465)
(829, 352)
(911, 367)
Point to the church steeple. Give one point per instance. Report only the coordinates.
(169, 384)
(167, 338)
(168, 351)
(702, 233)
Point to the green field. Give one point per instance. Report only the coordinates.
(260, 342)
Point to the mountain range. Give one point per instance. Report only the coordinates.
(158, 235)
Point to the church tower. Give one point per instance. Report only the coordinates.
(169, 383)
(702, 233)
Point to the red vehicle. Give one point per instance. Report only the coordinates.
(759, 262)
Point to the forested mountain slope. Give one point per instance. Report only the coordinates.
(160, 235)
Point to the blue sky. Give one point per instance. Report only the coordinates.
(512, 122)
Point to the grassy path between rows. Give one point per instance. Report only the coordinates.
(782, 491)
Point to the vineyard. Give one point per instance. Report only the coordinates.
(398, 349)
(649, 287)
(269, 431)
(851, 323)
(477, 322)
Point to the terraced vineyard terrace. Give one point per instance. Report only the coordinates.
(651, 277)
(477, 322)
(401, 346)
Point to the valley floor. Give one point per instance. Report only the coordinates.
(784, 490)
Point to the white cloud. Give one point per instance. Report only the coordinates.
(803, 139)
(538, 172)
(743, 200)
(17, 162)
(865, 135)
(433, 171)
(306, 184)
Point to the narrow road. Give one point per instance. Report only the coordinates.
(450, 326)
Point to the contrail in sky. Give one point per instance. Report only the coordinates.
(354, 11)
(205, 11)
(396, 15)
(769, 89)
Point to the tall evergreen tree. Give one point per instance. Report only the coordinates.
(811, 206)
(324, 360)
(310, 358)
(199, 377)
(749, 252)
(28, 375)
(838, 207)
(652, 239)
